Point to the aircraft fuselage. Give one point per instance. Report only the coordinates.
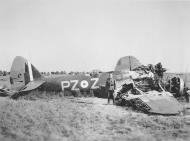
(70, 82)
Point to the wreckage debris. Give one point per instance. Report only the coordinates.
(144, 91)
(152, 102)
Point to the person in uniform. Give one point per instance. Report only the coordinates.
(110, 87)
(186, 94)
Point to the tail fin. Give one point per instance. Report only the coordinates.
(124, 65)
(22, 73)
(127, 63)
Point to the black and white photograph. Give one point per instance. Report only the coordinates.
(94, 70)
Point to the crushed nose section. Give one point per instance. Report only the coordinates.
(144, 90)
(151, 102)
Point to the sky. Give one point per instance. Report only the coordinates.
(82, 35)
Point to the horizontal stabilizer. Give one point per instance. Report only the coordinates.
(32, 85)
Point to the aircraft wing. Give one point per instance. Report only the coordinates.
(165, 106)
(32, 85)
(157, 103)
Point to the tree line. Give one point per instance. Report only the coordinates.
(93, 73)
(4, 73)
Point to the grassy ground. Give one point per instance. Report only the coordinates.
(78, 119)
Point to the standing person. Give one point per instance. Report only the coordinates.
(110, 87)
(186, 94)
(158, 76)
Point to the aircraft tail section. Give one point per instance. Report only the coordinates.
(23, 73)
(127, 63)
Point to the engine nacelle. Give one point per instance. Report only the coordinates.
(176, 85)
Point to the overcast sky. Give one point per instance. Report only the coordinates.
(82, 35)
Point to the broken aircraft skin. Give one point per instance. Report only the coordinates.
(150, 102)
(143, 91)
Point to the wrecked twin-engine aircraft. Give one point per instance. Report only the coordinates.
(142, 87)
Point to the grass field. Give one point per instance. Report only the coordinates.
(79, 119)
